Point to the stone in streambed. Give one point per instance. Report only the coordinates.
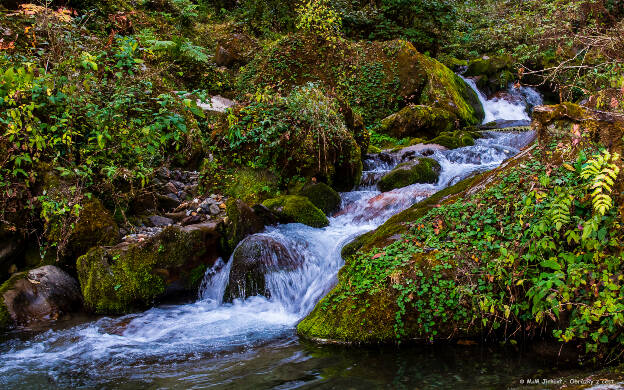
(38, 296)
(295, 208)
(254, 257)
(322, 196)
(133, 276)
(423, 170)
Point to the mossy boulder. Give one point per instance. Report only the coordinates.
(377, 78)
(38, 296)
(422, 170)
(455, 139)
(322, 196)
(253, 259)
(493, 73)
(296, 208)
(418, 121)
(131, 276)
(371, 318)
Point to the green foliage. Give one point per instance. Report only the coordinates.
(425, 22)
(318, 18)
(528, 253)
(301, 134)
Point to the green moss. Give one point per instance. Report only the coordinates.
(251, 185)
(293, 208)
(372, 149)
(125, 278)
(454, 140)
(489, 66)
(322, 196)
(426, 170)
(448, 91)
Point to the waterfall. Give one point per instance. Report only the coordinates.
(517, 108)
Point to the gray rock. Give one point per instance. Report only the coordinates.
(158, 220)
(42, 294)
(214, 209)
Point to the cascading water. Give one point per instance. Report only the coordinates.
(163, 341)
(517, 107)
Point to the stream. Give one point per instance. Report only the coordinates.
(252, 343)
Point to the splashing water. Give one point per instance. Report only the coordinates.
(164, 341)
(517, 108)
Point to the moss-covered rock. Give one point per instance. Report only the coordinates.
(418, 121)
(295, 208)
(455, 139)
(255, 257)
(493, 73)
(377, 78)
(322, 196)
(422, 170)
(95, 227)
(128, 277)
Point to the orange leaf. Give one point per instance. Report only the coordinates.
(378, 255)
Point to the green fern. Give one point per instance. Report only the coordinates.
(560, 210)
(602, 172)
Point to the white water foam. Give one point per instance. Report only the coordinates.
(523, 99)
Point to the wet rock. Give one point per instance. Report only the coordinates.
(423, 170)
(267, 217)
(158, 220)
(133, 275)
(255, 257)
(322, 196)
(40, 295)
(294, 208)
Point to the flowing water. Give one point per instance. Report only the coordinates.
(252, 343)
(516, 107)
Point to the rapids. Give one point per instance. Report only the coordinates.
(252, 343)
(153, 343)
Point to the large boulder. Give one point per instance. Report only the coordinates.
(422, 170)
(377, 79)
(418, 121)
(295, 208)
(455, 139)
(38, 296)
(132, 276)
(255, 257)
(322, 196)
(493, 73)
